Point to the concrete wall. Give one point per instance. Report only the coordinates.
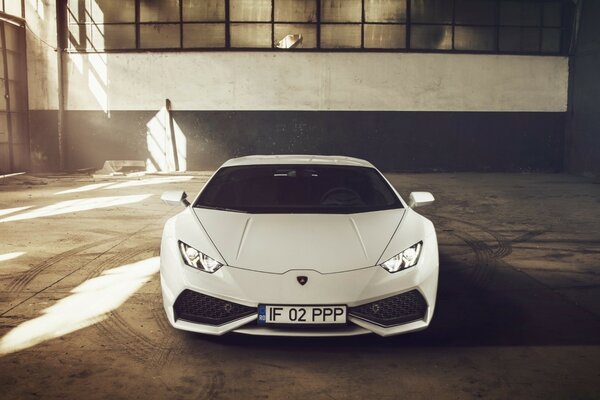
(583, 122)
(442, 112)
(317, 81)
(42, 77)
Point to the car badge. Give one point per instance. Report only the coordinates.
(302, 280)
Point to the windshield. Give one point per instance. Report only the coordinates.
(298, 189)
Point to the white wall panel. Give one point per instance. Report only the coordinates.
(42, 63)
(317, 81)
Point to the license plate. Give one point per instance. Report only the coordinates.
(301, 314)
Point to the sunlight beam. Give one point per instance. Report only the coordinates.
(124, 184)
(181, 141)
(11, 256)
(159, 140)
(70, 206)
(88, 304)
(151, 181)
(13, 210)
(85, 188)
(38, 6)
(156, 140)
(99, 92)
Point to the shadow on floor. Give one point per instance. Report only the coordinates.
(482, 301)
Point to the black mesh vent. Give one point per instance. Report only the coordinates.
(395, 310)
(197, 307)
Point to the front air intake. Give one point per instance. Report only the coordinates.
(395, 310)
(197, 307)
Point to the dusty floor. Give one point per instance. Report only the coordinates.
(518, 312)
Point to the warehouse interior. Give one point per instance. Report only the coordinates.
(491, 105)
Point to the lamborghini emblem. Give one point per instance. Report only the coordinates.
(302, 280)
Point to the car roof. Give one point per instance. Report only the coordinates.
(297, 159)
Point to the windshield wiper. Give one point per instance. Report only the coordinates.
(220, 208)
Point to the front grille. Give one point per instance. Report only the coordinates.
(395, 310)
(197, 307)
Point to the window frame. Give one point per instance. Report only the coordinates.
(408, 24)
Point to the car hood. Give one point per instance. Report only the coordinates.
(277, 243)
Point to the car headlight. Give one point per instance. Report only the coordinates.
(408, 258)
(198, 260)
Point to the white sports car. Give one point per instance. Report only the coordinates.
(299, 246)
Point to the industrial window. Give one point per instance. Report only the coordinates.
(14, 139)
(13, 7)
(489, 26)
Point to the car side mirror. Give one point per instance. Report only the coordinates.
(175, 198)
(420, 199)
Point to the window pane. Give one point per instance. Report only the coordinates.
(250, 35)
(480, 12)
(551, 40)
(204, 35)
(13, 37)
(341, 10)
(296, 10)
(16, 68)
(159, 36)
(159, 11)
(13, 60)
(519, 13)
(472, 38)
(385, 36)
(385, 10)
(519, 39)
(3, 127)
(204, 10)
(250, 10)
(78, 36)
(433, 11)
(76, 10)
(431, 37)
(552, 14)
(113, 37)
(17, 98)
(4, 163)
(340, 36)
(13, 7)
(308, 32)
(105, 11)
(21, 155)
(18, 127)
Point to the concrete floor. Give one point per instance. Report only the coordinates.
(518, 312)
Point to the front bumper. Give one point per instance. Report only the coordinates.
(229, 298)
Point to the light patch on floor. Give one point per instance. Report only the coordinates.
(85, 188)
(126, 184)
(11, 256)
(70, 206)
(152, 181)
(88, 304)
(7, 211)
